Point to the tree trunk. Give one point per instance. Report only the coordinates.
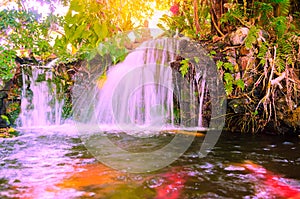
(217, 10)
(196, 17)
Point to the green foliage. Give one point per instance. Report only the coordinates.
(22, 34)
(259, 16)
(263, 11)
(232, 15)
(5, 118)
(282, 6)
(84, 24)
(268, 27)
(67, 109)
(212, 52)
(230, 82)
(273, 45)
(23, 30)
(13, 110)
(228, 66)
(262, 53)
(7, 64)
(279, 24)
(219, 64)
(287, 50)
(115, 46)
(240, 84)
(251, 37)
(88, 24)
(185, 21)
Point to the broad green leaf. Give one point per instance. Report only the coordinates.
(78, 32)
(98, 29)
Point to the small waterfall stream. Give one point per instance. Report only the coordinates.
(142, 93)
(39, 105)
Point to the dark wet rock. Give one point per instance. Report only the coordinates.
(191, 74)
(238, 105)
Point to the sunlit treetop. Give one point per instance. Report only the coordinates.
(68, 28)
(90, 22)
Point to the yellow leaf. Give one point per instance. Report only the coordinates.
(74, 50)
(101, 81)
(11, 130)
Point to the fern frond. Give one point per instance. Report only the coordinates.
(283, 6)
(280, 64)
(263, 9)
(262, 53)
(279, 25)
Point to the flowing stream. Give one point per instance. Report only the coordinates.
(57, 165)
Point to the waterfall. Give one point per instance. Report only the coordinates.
(39, 105)
(141, 93)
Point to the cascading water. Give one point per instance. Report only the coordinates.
(142, 93)
(39, 105)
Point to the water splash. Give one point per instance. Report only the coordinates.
(39, 105)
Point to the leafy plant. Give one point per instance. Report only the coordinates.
(5, 118)
(7, 65)
(274, 41)
(184, 67)
(23, 34)
(251, 37)
(192, 19)
(229, 80)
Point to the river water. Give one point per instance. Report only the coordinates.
(45, 164)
